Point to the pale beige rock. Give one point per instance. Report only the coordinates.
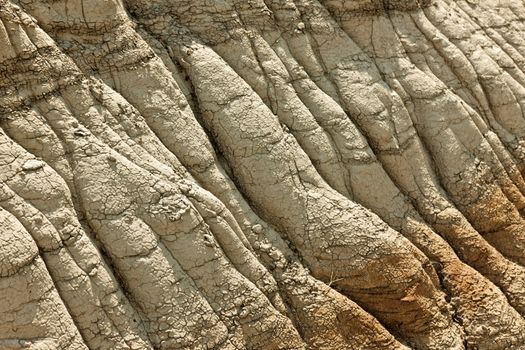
(263, 174)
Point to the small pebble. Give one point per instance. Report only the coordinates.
(33, 164)
(258, 229)
(81, 132)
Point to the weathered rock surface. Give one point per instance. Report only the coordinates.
(262, 174)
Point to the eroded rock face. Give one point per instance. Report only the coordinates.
(262, 174)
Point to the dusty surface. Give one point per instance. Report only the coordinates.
(262, 174)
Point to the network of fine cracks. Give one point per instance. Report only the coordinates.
(262, 174)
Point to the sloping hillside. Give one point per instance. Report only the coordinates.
(262, 174)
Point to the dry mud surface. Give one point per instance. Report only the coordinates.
(262, 174)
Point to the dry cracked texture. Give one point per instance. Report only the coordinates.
(262, 174)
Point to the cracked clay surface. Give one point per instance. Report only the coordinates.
(262, 174)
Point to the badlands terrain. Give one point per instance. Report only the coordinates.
(262, 174)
